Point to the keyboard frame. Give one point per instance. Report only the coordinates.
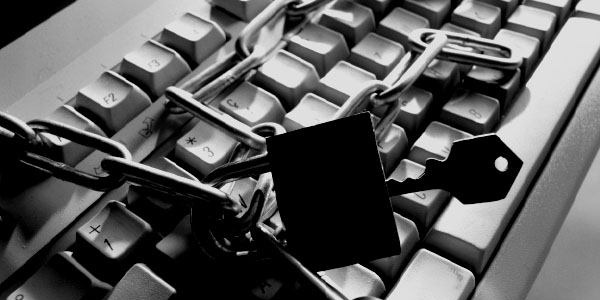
(554, 186)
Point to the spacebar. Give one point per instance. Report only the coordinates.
(470, 233)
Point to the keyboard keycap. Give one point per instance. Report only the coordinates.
(141, 283)
(113, 99)
(288, 77)
(378, 7)
(435, 142)
(320, 46)
(470, 233)
(472, 112)
(194, 37)
(431, 277)
(497, 84)
(435, 11)
(479, 17)
(458, 29)
(388, 268)
(243, 9)
(155, 66)
(67, 151)
(354, 281)
(423, 206)
(526, 46)
(61, 278)
(399, 23)
(507, 6)
(392, 147)
(588, 9)
(311, 110)
(109, 241)
(204, 147)
(415, 104)
(376, 54)
(352, 20)
(252, 105)
(441, 77)
(559, 7)
(534, 22)
(341, 82)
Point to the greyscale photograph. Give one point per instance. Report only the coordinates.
(300, 150)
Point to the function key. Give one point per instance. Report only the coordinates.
(435, 11)
(112, 99)
(310, 111)
(399, 24)
(534, 22)
(341, 82)
(155, 66)
(193, 36)
(107, 243)
(376, 54)
(252, 105)
(559, 7)
(352, 20)
(288, 77)
(67, 151)
(477, 16)
(435, 142)
(472, 112)
(320, 46)
(61, 278)
(141, 283)
(243, 9)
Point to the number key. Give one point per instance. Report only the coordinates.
(481, 17)
(472, 112)
(252, 105)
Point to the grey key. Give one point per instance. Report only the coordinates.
(422, 206)
(252, 105)
(471, 233)
(243, 9)
(376, 54)
(310, 111)
(528, 47)
(559, 7)
(472, 112)
(288, 77)
(320, 46)
(588, 9)
(415, 105)
(534, 22)
(342, 81)
(352, 20)
(379, 7)
(430, 276)
(435, 11)
(141, 283)
(440, 78)
(507, 6)
(477, 16)
(502, 86)
(354, 281)
(392, 147)
(435, 142)
(399, 23)
(458, 29)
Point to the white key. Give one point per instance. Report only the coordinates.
(194, 37)
(477, 16)
(388, 268)
(113, 99)
(320, 46)
(472, 112)
(435, 142)
(588, 9)
(507, 6)
(354, 281)
(352, 20)
(70, 152)
(141, 283)
(204, 147)
(423, 206)
(432, 277)
(526, 46)
(415, 104)
(398, 24)
(342, 81)
(534, 22)
(376, 54)
(435, 11)
(252, 105)
(243, 9)
(559, 7)
(458, 29)
(155, 66)
(311, 110)
(288, 77)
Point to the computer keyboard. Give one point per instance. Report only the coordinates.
(63, 241)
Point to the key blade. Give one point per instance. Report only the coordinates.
(479, 169)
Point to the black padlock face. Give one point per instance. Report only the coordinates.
(332, 195)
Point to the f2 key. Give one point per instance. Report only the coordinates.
(478, 169)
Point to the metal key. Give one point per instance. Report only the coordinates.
(477, 169)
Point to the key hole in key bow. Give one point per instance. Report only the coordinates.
(501, 164)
